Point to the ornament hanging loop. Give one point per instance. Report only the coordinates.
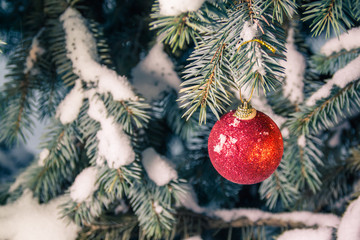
(245, 111)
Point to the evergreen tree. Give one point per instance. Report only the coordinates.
(127, 147)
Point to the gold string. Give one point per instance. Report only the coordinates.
(251, 94)
(272, 49)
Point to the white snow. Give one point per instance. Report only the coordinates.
(218, 147)
(294, 71)
(176, 7)
(301, 141)
(84, 185)
(114, 145)
(341, 78)
(349, 228)
(42, 156)
(26, 219)
(34, 52)
(347, 41)
(157, 207)
(157, 167)
(196, 237)
(20, 179)
(69, 108)
(249, 31)
(307, 234)
(81, 49)
(155, 73)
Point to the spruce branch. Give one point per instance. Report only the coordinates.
(332, 63)
(341, 103)
(282, 9)
(328, 15)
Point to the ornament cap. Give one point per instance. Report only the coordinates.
(245, 111)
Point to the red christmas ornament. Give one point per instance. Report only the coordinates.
(245, 146)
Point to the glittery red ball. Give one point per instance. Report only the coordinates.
(245, 151)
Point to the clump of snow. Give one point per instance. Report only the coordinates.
(84, 185)
(155, 73)
(349, 228)
(218, 147)
(114, 145)
(157, 207)
(81, 49)
(307, 234)
(176, 7)
(27, 219)
(341, 78)
(70, 106)
(249, 31)
(301, 141)
(34, 52)
(42, 156)
(294, 71)
(158, 168)
(348, 41)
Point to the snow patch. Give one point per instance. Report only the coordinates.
(34, 52)
(197, 237)
(155, 74)
(176, 7)
(218, 148)
(70, 106)
(158, 168)
(84, 185)
(348, 41)
(114, 145)
(294, 71)
(349, 228)
(301, 141)
(249, 31)
(307, 234)
(157, 207)
(341, 78)
(27, 219)
(81, 49)
(42, 156)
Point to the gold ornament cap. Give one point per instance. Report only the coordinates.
(245, 111)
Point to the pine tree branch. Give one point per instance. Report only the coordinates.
(328, 15)
(326, 113)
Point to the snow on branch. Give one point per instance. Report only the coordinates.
(69, 107)
(300, 234)
(82, 51)
(349, 228)
(254, 217)
(84, 185)
(34, 52)
(294, 71)
(27, 219)
(176, 7)
(347, 41)
(158, 168)
(344, 76)
(114, 145)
